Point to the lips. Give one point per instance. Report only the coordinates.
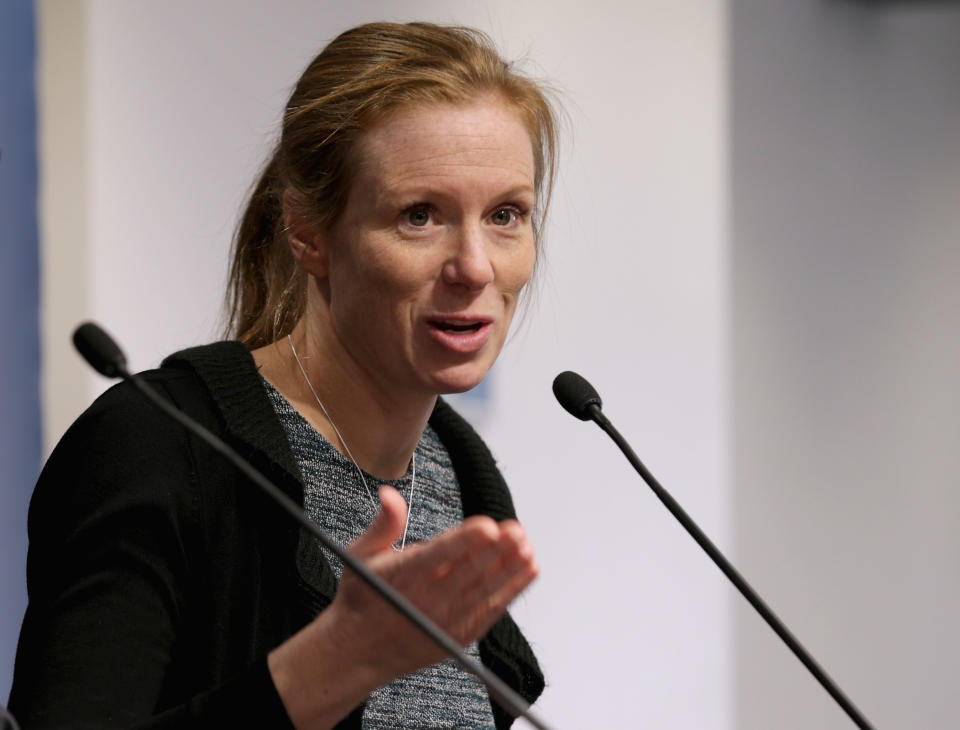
(460, 334)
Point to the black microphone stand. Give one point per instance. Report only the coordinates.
(578, 397)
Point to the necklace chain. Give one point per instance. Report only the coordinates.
(373, 502)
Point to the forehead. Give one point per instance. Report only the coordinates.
(482, 139)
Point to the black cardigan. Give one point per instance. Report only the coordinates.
(159, 579)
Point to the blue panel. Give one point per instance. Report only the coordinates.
(20, 431)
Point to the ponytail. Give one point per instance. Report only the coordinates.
(264, 294)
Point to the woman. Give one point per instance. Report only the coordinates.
(378, 265)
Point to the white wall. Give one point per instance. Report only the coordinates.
(630, 622)
(846, 350)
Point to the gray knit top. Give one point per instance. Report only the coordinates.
(439, 696)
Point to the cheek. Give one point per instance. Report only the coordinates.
(382, 290)
(518, 268)
(381, 272)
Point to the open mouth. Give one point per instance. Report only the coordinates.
(461, 335)
(456, 328)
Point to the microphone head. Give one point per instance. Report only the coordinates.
(576, 395)
(99, 350)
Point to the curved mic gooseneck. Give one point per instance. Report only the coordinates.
(581, 400)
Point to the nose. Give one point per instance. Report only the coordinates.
(469, 264)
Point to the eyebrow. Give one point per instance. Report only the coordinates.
(416, 191)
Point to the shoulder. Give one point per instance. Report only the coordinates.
(219, 371)
(121, 417)
(212, 363)
(122, 449)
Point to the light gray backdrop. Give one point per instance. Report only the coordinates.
(753, 255)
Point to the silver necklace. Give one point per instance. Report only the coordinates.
(373, 502)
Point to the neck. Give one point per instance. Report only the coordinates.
(381, 428)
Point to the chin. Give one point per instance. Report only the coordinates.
(458, 380)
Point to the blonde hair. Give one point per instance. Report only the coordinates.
(361, 76)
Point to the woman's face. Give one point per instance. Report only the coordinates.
(426, 264)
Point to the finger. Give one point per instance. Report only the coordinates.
(515, 573)
(386, 529)
(513, 569)
(479, 585)
(490, 611)
(434, 559)
(479, 565)
(490, 600)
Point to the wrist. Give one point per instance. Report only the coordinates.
(321, 674)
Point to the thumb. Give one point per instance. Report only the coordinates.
(386, 529)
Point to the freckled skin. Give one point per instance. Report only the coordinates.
(438, 222)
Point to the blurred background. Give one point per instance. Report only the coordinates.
(754, 254)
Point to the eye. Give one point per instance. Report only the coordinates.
(504, 216)
(418, 216)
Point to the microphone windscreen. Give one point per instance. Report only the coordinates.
(99, 349)
(575, 394)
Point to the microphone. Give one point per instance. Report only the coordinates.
(580, 399)
(100, 351)
(106, 357)
(577, 396)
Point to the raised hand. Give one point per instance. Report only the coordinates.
(464, 580)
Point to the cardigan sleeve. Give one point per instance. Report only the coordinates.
(112, 523)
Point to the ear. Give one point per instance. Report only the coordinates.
(308, 245)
